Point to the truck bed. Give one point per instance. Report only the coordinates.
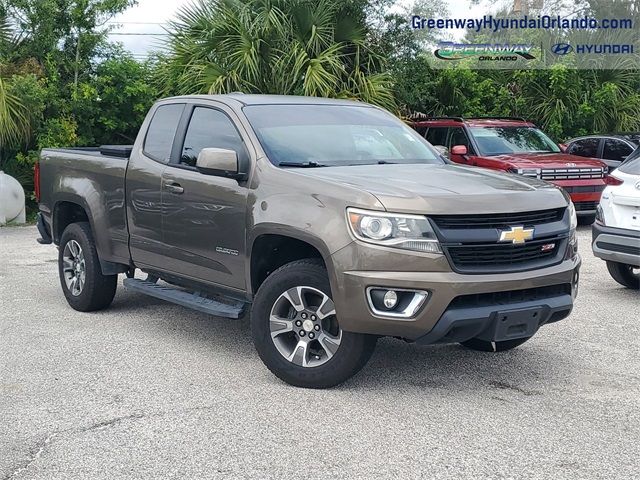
(93, 177)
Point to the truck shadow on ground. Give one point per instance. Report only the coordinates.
(395, 365)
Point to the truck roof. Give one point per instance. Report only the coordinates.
(253, 99)
(474, 122)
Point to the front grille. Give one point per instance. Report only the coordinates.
(511, 296)
(498, 220)
(565, 173)
(500, 257)
(585, 189)
(585, 206)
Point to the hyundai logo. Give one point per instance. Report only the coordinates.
(561, 48)
(638, 186)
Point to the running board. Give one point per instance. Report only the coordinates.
(186, 299)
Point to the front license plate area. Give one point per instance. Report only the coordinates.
(512, 324)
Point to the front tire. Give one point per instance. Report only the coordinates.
(484, 346)
(296, 331)
(624, 274)
(84, 286)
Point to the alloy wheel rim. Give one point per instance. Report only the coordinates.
(304, 328)
(74, 267)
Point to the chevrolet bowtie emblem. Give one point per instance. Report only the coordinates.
(516, 235)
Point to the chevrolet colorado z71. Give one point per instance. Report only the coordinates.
(335, 221)
(517, 146)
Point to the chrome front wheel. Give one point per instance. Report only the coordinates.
(304, 327)
(296, 332)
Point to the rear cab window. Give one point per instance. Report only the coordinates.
(162, 131)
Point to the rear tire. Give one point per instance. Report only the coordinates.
(624, 275)
(484, 346)
(84, 286)
(296, 332)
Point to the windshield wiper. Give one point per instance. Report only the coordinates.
(310, 164)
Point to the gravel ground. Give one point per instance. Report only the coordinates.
(150, 390)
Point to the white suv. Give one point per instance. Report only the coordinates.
(616, 232)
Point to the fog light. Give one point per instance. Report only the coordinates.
(390, 299)
(397, 303)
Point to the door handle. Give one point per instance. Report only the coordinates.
(174, 188)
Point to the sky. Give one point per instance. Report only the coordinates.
(140, 28)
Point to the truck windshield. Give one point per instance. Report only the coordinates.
(336, 135)
(506, 140)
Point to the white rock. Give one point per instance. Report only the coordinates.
(12, 208)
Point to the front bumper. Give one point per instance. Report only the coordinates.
(442, 310)
(499, 322)
(616, 244)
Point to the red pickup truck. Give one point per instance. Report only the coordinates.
(518, 146)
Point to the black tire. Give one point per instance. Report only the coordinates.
(623, 274)
(484, 346)
(586, 219)
(98, 290)
(352, 354)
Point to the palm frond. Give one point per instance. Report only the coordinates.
(14, 118)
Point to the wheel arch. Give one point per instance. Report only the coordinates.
(71, 208)
(270, 248)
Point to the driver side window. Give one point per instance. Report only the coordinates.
(210, 128)
(459, 137)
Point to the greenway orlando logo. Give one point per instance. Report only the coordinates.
(484, 51)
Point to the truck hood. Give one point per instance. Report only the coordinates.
(547, 160)
(444, 189)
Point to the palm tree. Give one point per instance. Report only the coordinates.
(299, 47)
(14, 118)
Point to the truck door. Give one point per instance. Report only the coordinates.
(204, 222)
(143, 192)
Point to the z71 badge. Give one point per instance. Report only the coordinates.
(227, 251)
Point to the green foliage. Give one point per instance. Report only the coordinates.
(111, 108)
(14, 118)
(58, 133)
(562, 101)
(300, 47)
(62, 83)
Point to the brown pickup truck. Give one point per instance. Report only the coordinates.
(334, 221)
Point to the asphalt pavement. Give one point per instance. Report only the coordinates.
(147, 389)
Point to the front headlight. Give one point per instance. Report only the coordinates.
(574, 216)
(572, 247)
(528, 172)
(600, 215)
(396, 230)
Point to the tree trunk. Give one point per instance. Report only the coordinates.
(77, 64)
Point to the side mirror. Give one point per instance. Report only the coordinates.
(442, 150)
(459, 150)
(219, 162)
(562, 147)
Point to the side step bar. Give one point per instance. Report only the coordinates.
(186, 299)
